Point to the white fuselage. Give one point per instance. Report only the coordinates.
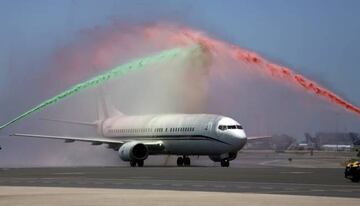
(185, 134)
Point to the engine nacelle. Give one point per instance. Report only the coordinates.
(133, 151)
(228, 156)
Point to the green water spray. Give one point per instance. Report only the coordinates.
(135, 65)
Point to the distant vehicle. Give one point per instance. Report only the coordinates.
(352, 171)
(137, 137)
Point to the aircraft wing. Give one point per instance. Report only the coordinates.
(258, 137)
(154, 146)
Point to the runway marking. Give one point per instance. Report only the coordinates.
(266, 188)
(296, 172)
(288, 188)
(343, 190)
(140, 177)
(197, 185)
(317, 190)
(242, 187)
(269, 162)
(232, 182)
(69, 173)
(91, 180)
(177, 185)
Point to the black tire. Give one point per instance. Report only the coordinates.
(140, 163)
(132, 163)
(355, 178)
(225, 163)
(180, 161)
(187, 161)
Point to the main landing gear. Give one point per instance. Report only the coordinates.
(183, 161)
(225, 163)
(139, 163)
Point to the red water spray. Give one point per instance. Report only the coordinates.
(186, 35)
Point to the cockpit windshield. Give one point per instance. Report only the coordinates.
(225, 127)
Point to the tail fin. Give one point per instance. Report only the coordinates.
(105, 109)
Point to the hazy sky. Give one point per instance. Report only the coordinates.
(318, 38)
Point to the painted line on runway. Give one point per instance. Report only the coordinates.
(296, 172)
(69, 173)
(317, 190)
(228, 182)
(266, 188)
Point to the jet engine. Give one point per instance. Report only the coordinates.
(133, 151)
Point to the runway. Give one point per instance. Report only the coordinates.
(269, 180)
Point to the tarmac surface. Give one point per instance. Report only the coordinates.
(60, 196)
(267, 180)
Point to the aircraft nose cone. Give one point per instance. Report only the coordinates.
(240, 134)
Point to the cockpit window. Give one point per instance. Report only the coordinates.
(225, 127)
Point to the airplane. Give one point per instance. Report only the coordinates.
(336, 147)
(137, 137)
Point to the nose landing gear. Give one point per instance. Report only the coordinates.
(225, 163)
(183, 161)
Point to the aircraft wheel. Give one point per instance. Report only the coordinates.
(355, 179)
(132, 163)
(140, 163)
(180, 161)
(225, 163)
(187, 161)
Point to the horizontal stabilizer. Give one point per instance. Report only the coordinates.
(70, 122)
(69, 139)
